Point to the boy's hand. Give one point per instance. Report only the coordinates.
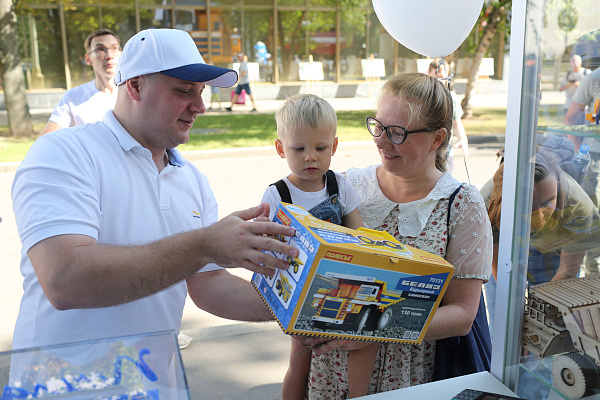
(264, 217)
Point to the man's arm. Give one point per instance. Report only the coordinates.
(77, 272)
(568, 85)
(571, 117)
(574, 111)
(227, 296)
(50, 127)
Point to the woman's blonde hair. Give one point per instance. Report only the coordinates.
(429, 104)
(305, 110)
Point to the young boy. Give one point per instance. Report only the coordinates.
(306, 130)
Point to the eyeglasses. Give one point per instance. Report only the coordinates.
(102, 51)
(396, 134)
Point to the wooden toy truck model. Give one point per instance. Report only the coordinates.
(563, 318)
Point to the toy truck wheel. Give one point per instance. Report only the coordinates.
(320, 325)
(574, 375)
(384, 319)
(358, 322)
(374, 316)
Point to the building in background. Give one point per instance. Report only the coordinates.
(52, 34)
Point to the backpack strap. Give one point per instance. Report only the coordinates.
(286, 197)
(283, 190)
(332, 186)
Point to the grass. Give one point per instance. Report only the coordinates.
(486, 121)
(242, 130)
(252, 130)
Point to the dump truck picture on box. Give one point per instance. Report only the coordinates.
(357, 303)
(358, 300)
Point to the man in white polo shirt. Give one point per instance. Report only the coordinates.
(117, 227)
(89, 102)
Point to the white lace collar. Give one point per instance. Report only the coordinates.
(413, 216)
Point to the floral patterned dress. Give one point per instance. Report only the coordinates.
(421, 224)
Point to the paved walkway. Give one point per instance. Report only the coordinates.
(228, 359)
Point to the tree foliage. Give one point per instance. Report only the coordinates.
(19, 118)
(493, 19)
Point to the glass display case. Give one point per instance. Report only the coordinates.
(143, 367)
(546, 331)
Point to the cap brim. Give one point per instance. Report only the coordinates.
(209, 74)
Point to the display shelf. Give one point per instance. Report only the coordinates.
(548, 230)
(141, 367)
(443, 390)
(576, 130)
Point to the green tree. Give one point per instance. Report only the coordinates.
(19, 118)
(493, 19)
(293, 26)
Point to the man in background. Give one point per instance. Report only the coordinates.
(586, 96)
(89, 102)
(572, 79)
(243, 83)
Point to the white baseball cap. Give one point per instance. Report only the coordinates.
(171, 52)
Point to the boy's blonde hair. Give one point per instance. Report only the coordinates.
(305, 111)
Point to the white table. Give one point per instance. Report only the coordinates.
(444, 390)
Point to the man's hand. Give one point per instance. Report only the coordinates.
(237, 241)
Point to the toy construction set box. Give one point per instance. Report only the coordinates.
(352, 284)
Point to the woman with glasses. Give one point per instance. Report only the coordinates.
(409, 195)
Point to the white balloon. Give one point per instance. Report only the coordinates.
(433, 28)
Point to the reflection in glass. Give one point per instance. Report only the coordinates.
(41, 49)
(120, 20)
(226, 38)
(292, 41)
(185, 20)
(290, 2)
(155, 18)
(257, 41)
(142, 367)
(353, 37)
(76, 34)
(259, 2)
(557, 202)
(157, 2)
(322, 41)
